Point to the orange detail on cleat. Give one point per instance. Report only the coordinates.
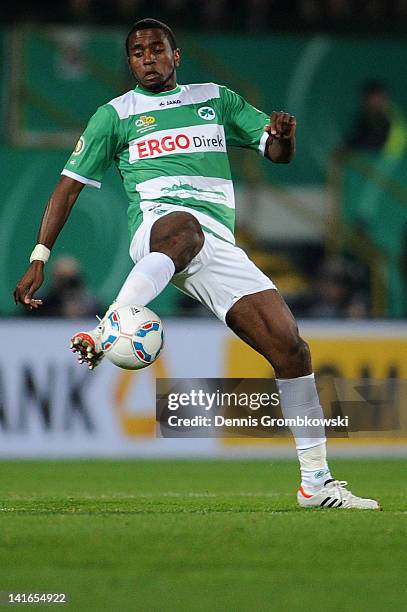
(86, 337)
(84, 345)
(307, 495)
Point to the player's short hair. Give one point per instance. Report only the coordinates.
(152, 24)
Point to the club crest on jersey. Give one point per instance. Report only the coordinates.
(207, 113)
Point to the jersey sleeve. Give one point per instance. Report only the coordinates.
(95, 149)
(243, 123)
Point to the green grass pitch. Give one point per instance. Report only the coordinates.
(201, 535)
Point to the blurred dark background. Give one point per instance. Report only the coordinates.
(344, 16)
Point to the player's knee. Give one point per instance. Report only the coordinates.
(190, 231)
(292, 357)
(179, 235)
(299, 358)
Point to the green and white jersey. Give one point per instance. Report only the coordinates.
(171, 150)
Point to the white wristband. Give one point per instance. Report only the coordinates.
(40, 253)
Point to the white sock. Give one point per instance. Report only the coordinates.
(314, 468)
(299, 398)
(146, 280)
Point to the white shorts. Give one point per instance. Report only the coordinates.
(217, 277)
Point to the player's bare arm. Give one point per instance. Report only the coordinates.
(55, 216)
(280, 147)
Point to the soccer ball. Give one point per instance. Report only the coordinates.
(132, 337)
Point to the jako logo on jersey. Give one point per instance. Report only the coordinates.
(145, 121)
(207, 113)
(193, 139)
(170, 102)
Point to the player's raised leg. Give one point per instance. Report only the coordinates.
(264, 321)
(175, 240)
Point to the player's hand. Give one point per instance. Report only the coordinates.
(282, 125)
(28, 285)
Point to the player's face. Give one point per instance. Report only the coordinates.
(152, 61)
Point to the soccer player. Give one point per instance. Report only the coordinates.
(169, 143)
